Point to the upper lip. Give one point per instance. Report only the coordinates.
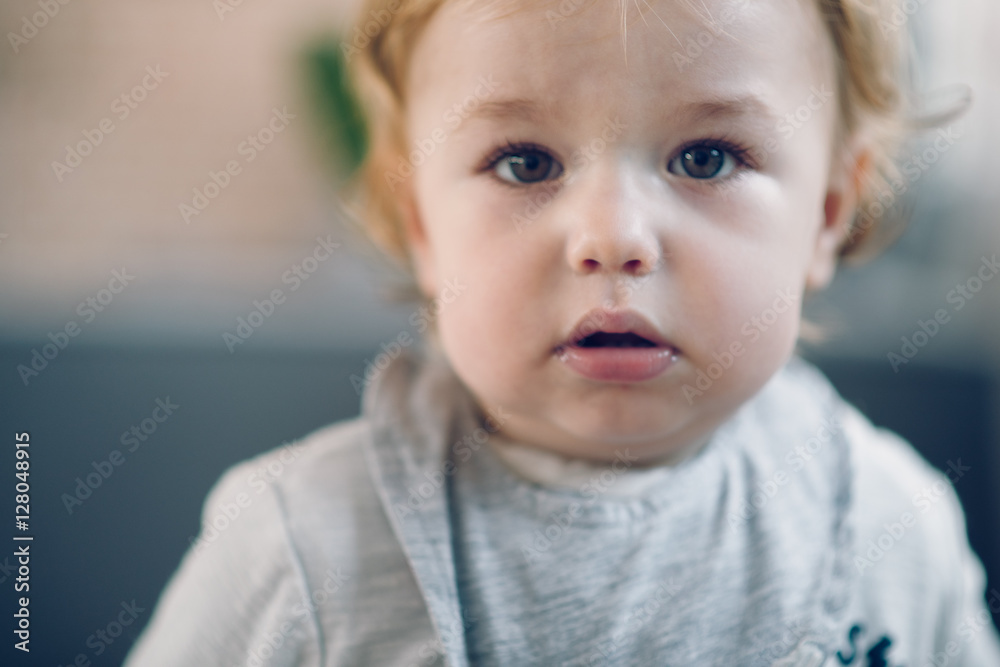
(614, 321)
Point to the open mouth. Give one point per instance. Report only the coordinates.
(616, 346)
(605, 339)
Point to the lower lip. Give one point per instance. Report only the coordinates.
(618, 364)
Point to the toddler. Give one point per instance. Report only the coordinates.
(604, 451)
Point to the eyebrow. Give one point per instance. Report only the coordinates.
(711, 109)
(518, 107)
(746, 105)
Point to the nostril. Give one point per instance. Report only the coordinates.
(633, 266)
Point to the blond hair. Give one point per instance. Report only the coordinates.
(872, 74)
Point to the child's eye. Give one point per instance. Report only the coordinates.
(524, 166)
(704, 161)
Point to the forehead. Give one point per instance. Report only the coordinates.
(608, 56)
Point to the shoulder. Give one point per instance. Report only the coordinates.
(326, 466)
(889, 473)
(918, 581)
(315, 502)
(900, 498)
(886, 472)
(911, 541)
(334, 452)
(332, 512)
(890, 482)
(243, 579)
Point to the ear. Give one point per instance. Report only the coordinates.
(847, 176)
(421, 252)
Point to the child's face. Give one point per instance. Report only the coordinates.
(559, 173)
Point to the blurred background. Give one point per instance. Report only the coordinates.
(114, 296)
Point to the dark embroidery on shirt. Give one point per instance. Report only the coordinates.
(851, 635)
(876, 655)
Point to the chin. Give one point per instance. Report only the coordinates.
(623, 429)
(642, 449)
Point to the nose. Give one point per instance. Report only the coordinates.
(613, 229)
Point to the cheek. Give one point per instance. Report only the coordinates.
(484, 353)
(494, 331)
(501, 304)
(741, 297)
(504, 270)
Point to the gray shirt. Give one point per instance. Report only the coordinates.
(799, 535)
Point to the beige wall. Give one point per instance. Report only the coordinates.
(66, 232)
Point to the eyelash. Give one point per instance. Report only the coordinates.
(511, 148)
(738, 151)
